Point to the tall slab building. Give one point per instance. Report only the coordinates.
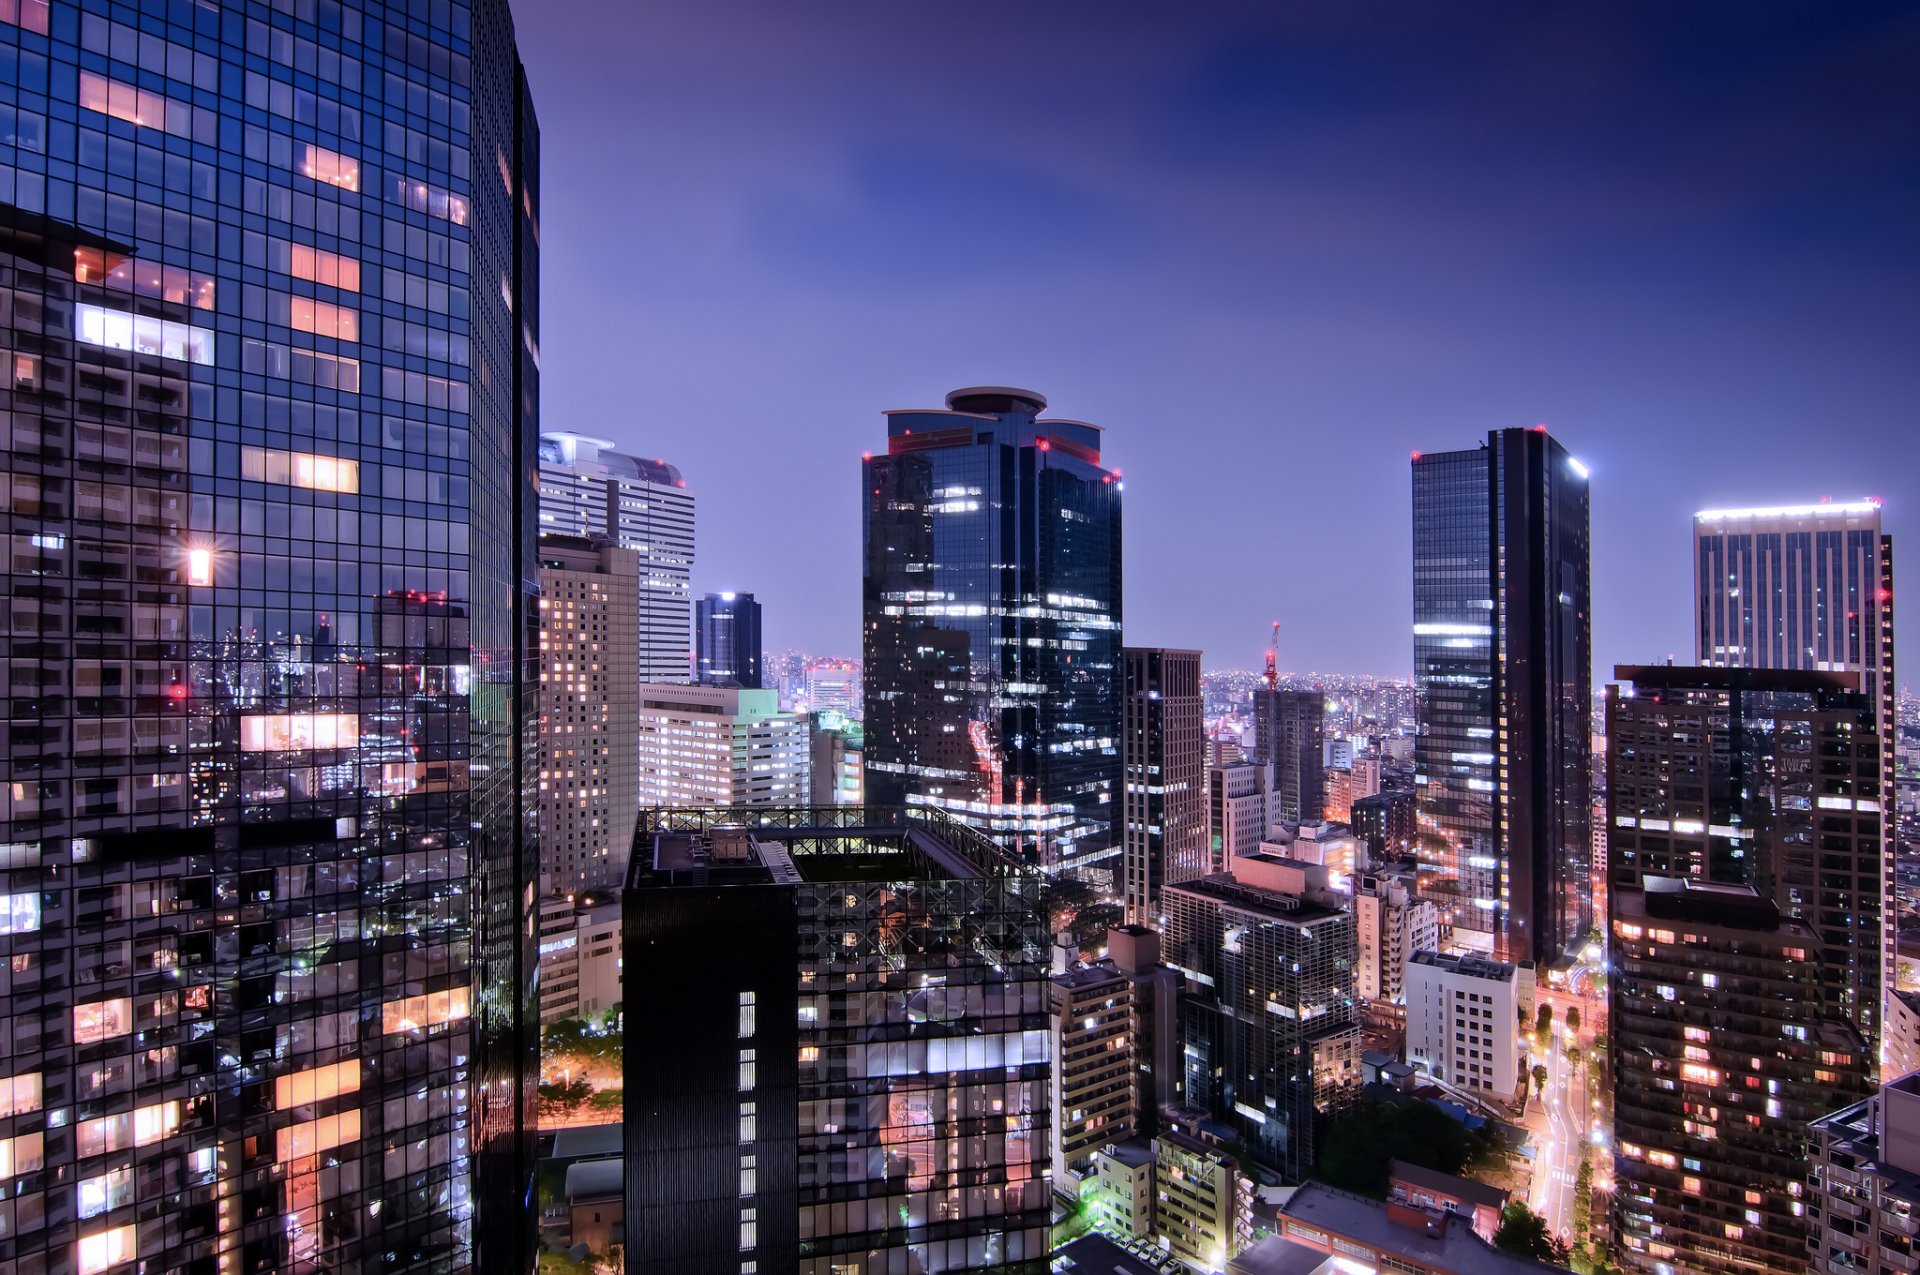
(1289, 735)
(272, 320)
(1502, 653)
(1163, 750)
(992, 625)
(589, 489)
(1807, 587)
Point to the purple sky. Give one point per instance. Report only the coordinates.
(1271, 247)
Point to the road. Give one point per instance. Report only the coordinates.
(1560, 1140)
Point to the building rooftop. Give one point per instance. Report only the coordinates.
(1711, 677)
(1446, 1243)
(1088, 976)
(577, 1142)
(1278, 1255)
(1739, 907)
(1133, 1153)
(595, 1179)
(1222, 888)
(1099, 1255)
(1466, 964)
(1447, 1184)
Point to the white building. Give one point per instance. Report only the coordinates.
(589, 694)
(720, 746)
(1463, 1020)
(1394, 923)
(580, 971)
(587, 488)
(1237, 811)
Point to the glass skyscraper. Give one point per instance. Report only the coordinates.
(992, 625)
(726, 640)
(1502, 655)
(267, 870)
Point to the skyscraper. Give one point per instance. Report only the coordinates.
(773, 1134)
(1807, 587)
(721, 746)
(587, 488)
(726, 640)
(1502, 647)
(1289, 734)
(589, 702)
(992, 625)
(1163, 751)
(269, 857)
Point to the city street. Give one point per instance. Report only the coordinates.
(1560, 1134)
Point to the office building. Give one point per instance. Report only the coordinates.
(589, 697)
(720, 746)
(580, 958)
(833, 686)
(1324, 1231)
(1808, 587)
(1502, 648)
(1768, 777)
(1093, 1071)
(268, 860)
(1392, 922)
(1387, 823)
(1359, 779)
(1900, 1039)
(1463, 1021)
(588, 488)
(1430, 1189)
(1723, 1054)
(777, 1133)
(1863, 1191)
(993, 672)
(726, 641)
(1202, 1205)
(1268, 932)
(1237, 799)
(835, 774)
(1163, 754)
(1289, 735)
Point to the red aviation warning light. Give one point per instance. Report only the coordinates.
(1273, 660)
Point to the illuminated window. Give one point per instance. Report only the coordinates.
(315, 1136)
(137, 1128)
(107, 1191)
(331, 167)
(102, 1020)
(19, 913)
(200, 566)
(161, 338)
(322, 266)
(120, 273)
(20, 1094)
(122, 101)
(746, 1014)
(103, 1249)
(298, 732)
(30, 15)
(749, 1228)
(416, 1013)
(746, 1069)
(308, 1087)
(24, 1154)
(323, 318)
(299, 469)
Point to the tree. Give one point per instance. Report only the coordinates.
(1539, 1079)
(1573, 1021)
(1543, 1025)
(1524, 1232)
(1361, 1140)
(1574, 1055)
(564, 1099)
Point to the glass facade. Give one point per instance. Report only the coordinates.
(992, 626)
(1502, 640)
(268, 456)
(859, 1078)
(1164, 836)
(726, 645)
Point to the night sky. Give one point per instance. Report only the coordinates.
(1272, 248)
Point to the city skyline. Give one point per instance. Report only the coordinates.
(1602, 230)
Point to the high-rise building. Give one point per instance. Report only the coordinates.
(268, 859)
(1502, 645)
(1163, 753)
(1807, 587)
(589, 698)
(588, 488)
(1268, 933)
(1388, 823)
(992, 626)
(774, 1133)
(721, 746)
(835, 776)
(1723, 1054)
(1767, 777)
(1463, 1020)
(1237, 800)
(1863, 1193)
(726, 643)
(1289, 735)
(1392, 923)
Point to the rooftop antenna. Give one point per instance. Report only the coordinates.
(1273, 659)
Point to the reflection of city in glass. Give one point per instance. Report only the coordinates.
(270, 632)
(992, 624)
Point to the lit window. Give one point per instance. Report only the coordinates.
(19, 913)
(120, 273)
(107, 1191)
(323, 318)
(305, 1088)
(137, 1128)
(199, 567)
(103, 1249)
(322, 266)
(315, 1136)
(20, 1094)
(102, 1020)
(30, 15)
(331, 167)
(416, 1013)
(122, 101)
(143, 334)
(299, 469)
(746, 1014)
(298, 732)
(24, 1154)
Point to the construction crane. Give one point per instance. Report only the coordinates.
(1273, 659)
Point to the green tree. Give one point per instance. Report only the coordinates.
(1524, 1232)
(564, 1099)
(1543, 1025)
(1362, 1139)
(1573, 1020)
(1539, 1079)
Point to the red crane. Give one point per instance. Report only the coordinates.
(1273, 660)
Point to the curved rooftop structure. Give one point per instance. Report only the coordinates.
(989, 399)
